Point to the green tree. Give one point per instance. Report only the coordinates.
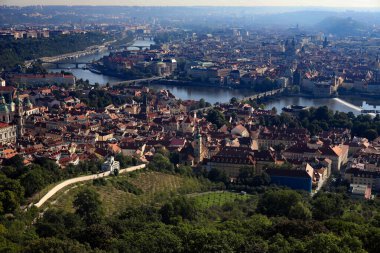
(11, 194)
(88, 206)
(161, 163)
(155, 238)
(278, 203)
(233, 100)
(57, 223)
(202, 103)
(98, 236)
(216, 117)
(300, 211)
(208, 239)
(323, 113)
(327, 205)
(180, 207)
(33, 181)
(124, 161)
(325, 243)
(279, 244)
(55, 245)
(217, 175)
(16, 161)
(370, 134)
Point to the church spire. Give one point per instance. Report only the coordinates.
(19, 116)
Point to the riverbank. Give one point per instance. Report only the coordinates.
(75, 54)
(126, 76)
(180, 83)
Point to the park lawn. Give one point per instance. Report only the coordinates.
(156, 188)
(219, 198)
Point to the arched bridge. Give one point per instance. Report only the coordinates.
(66, 64)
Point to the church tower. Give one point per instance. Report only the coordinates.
(376, 69)
(325, 43)
(198, 148)
(19, 117)
(4, 111)
(145, 108)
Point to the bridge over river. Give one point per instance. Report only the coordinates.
(253, 97)
(67, 64)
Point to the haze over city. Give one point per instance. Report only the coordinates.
(325, 3)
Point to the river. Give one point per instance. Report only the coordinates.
(93, 78)
(214, 95)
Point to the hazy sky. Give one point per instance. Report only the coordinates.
(329, 3)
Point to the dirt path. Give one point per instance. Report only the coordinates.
(71, 181)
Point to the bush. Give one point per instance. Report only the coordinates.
(127, 187)
(99, 182)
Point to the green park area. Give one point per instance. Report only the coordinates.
(219, 198)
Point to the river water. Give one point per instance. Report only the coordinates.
(214, 95)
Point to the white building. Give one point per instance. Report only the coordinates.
(111, 165)
(7, 133)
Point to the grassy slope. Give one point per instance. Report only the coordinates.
(206, 200)
(156, 188)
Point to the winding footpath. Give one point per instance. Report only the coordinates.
(68, 182)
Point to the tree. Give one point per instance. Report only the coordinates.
(325, 243)
(11, 194)
(33, 181)
(296, 228)
(163, 151)
(246, 172)
(233, 100)
(174, 157)
(57, 223)
(124, 161)
(208, 239)
(279, 244)
(300, 211)
(327, 205)
(53, 245)
(216, 175)
(370, 134)
(216, 117)
(371, 240)
(161, 163)
(154, 238)
(184, 170)
(16, 161)
(278, 203)
(180, 207)
(323, 113)
(202, 103)
(98, 236)
(87, 205)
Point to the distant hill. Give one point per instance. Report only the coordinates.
(341, 26)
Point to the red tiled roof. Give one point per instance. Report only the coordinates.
(3, 125)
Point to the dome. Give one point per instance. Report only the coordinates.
(28, 103)
(3, 108)
(18, 101)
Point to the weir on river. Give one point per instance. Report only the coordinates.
(357, 108)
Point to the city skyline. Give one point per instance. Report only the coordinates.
(309, 3)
